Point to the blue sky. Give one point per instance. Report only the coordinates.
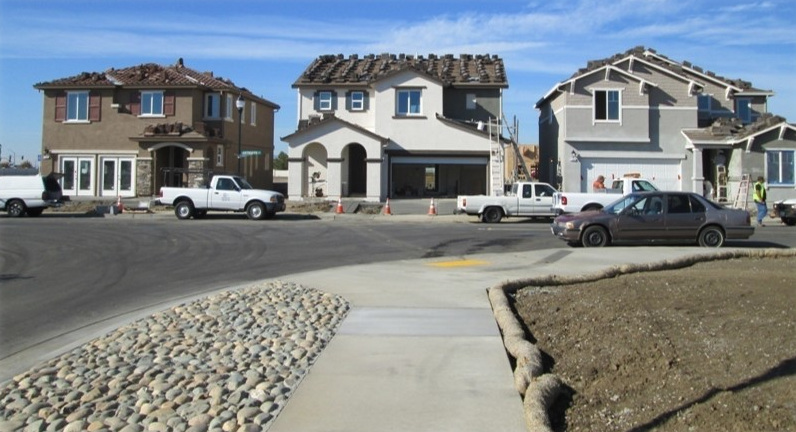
(264, 45)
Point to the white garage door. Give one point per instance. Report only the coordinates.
(664, 173)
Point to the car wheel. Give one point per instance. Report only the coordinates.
(33, 212)
(15, 208)
(789, 221)
(183, 210)
(493, 215)
(255, 211)
(711, 236)
(594, 236)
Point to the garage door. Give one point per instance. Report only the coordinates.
(664, 173)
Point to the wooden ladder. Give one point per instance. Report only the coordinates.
(743, 193)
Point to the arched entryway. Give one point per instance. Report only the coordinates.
(315, 172)
(170, 165)
(355, 170)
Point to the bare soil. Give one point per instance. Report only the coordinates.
(711, 347)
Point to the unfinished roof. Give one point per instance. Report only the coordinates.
(731, 130)
(149, 75)
(463, 71)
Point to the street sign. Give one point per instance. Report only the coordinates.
(249, 153)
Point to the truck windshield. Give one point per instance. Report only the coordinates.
(242, 183)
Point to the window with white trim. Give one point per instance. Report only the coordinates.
(325, 101)
(151, 103)
(607, 104)
(357, 101)
(408, 102)
(212, 106)
(780, 167)
(220, 155)
(704, 102)
(228, 108)
(253, 114)
(77, 106)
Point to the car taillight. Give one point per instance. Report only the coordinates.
(563, 200)
(160, 193)
(464, 202)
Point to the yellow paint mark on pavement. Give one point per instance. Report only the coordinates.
(459, 263)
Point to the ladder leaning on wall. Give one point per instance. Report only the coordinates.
(742, 197)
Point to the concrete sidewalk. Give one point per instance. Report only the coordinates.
(420, 349)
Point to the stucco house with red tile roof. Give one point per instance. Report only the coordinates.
(672, 122)
(399, 126)
(127, 132)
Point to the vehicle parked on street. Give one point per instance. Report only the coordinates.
(25, 192)
(223, 193)
(573, 202)
(649, 217)
(786, 211)
(525, 199)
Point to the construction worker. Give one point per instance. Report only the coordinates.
(760, 200)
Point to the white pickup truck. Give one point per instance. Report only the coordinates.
(224, 193)
(526, 199)
(573, 202)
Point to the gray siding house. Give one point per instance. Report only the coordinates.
(682, 127)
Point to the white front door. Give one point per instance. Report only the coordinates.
(78, 176)
(117, 176)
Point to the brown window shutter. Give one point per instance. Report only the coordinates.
(168, 103)
(135, 103)
(94, 106)
(60, 107)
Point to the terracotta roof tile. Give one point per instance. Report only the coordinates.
(464, 70)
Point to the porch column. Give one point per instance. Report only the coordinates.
(697, 176)
(374, 177)
(144, 173)
(295, 178)
(334, 178)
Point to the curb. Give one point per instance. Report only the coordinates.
(539, 389)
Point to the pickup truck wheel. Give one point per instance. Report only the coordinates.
(15, 208)
(594, 236)
(183, 210)
(255, 211)
(711, 236)
(493, 215)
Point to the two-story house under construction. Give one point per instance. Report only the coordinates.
(643, 113)
(387, 125)
(127, 132)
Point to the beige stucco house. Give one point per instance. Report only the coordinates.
(396, 126)
(127, 132)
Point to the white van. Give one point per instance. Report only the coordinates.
(25, 191)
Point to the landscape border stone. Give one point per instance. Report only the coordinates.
(540, 389)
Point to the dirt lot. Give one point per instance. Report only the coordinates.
(711, 347)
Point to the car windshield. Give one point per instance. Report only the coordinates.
(243, 183)
(617, 206)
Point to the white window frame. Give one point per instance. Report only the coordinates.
(607, 118)
(81, 109)
(471, 102)
(228, 108)
(777, 181)
(213, 101)
(220, 155)
(253, 114)
(399, 94)
(149, 111)
(325, 101)
(357, 101)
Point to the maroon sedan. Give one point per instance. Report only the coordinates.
(655, 217)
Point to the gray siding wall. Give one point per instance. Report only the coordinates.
(455, 104)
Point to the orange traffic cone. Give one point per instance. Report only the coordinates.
(432, 209)
(119, 204)
(340, 206)
(387, 207)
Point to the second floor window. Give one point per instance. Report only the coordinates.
(151, 103)
(606, 105)
(357, 101)
(325, 101)
(229, 106)
(253, 114)
(212, 106)
(408, 102)
(77, 106)
(743, 110)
